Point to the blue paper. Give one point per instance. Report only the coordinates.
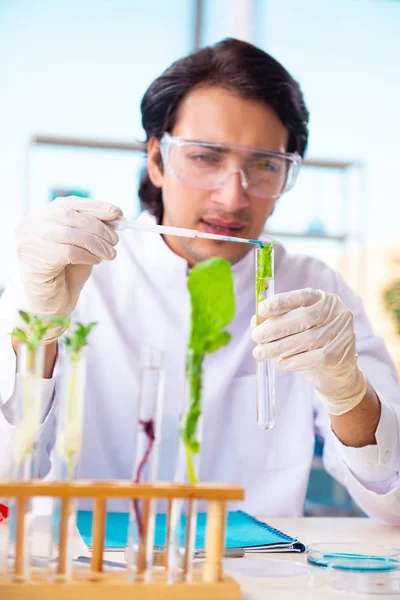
(243, 531)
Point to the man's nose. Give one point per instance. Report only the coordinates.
(232, 193)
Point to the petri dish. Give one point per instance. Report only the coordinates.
(274, 573)
(358, 568)
(383, 583)
(354, 557)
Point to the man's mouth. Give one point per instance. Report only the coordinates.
(222, 227)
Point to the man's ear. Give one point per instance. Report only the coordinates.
(154, 162)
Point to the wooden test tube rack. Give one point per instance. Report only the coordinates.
(209, 583)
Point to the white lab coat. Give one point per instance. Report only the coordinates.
(141, 298)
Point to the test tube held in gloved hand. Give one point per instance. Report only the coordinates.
(265, 368)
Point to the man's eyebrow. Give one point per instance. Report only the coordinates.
(261, 154)
(210, 146)
(253, 153)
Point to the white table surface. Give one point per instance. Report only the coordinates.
(309, 531)
(314, 530)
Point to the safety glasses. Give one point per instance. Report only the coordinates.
(207, 165)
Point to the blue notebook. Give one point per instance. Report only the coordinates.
(243, 531)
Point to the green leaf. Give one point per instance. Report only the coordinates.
(78, 338)
(265, 260)
(35, 331)
(264, 267)
(212, 298)
(19, 334)
(264, 272)
(24, 315)
(221, 340)
(91, 326)
(211, 289)
(42, 328)
(57, 320)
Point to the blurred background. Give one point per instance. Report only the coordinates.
(72, 74)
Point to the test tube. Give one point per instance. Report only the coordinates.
(140, 549)
(265, 368)
(68, 449)
(27, 412)
(27, 415)
(70, 414)
(181, 540)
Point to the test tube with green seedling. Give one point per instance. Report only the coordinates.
(27, 408)
(69, 433)
(70, 413)
(27, 414)
(265, 400)
(210, 285)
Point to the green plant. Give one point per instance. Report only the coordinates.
(34, 333)
(391, 301)
(210, 285)
(264, 271)
(75, 342)
(70, 428)
(29, 415)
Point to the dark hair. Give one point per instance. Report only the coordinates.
(237, 66)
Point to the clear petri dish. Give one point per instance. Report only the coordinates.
(383, 583)
(274, 573)
(358, 568)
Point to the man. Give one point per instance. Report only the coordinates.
(225, 127)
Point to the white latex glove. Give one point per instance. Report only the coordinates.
(57, 247)
(312, 331)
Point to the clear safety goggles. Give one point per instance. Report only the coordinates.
(207, 165)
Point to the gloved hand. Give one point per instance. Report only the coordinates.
(312, 331)
(57, 247)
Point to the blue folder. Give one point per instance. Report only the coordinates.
(243, 531)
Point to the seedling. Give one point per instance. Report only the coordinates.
(264, 272)
(210, 285)
(70, 424)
